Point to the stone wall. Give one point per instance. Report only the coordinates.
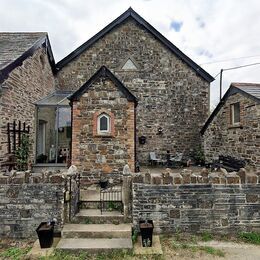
(96, 154)
(196, 202)
(243, 141)
(27, 199)
(26, 84)
(170, 94)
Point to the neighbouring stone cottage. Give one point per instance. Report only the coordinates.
(26, 76)
(234, 126)
(143, 86)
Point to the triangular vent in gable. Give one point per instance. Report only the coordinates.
(129, 65)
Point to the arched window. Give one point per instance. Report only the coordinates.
(103, 124)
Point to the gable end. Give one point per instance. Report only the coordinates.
(131, 13)
(105, 73)
(231, 91)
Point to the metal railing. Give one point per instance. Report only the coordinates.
(111, 198)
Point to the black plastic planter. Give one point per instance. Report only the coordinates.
(103, 184)
(45, 234)
(146, 229)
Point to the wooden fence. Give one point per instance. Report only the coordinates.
(14, 134)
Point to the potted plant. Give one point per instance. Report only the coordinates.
(45, 233)
(146, 229)
(41, 158)
(103, 182)
(199, 156)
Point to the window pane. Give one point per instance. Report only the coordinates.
(103, 123)
(64, 134)
(46, 135)
(236, 113)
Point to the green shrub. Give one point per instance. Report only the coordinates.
(22, 153)
(15, 253)
(250, 237)
(206, 236)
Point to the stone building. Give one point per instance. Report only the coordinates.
(126, 82)
(234, 126)
(26, 75)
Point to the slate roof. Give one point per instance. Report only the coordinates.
(15, 47)
(130, 13)
(106, 73)
(250, 90)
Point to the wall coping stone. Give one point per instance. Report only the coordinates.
(186, 176)
(21, 177)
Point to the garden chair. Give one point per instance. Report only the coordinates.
(177, 159)
(154, 160)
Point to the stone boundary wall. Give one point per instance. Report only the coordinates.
(27, 199)
(194, 203)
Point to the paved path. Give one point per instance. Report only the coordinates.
(235, 251)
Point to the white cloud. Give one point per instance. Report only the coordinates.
(211, 30)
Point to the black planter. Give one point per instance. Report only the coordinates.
(103, 184)
(45, 234)
(146, 229)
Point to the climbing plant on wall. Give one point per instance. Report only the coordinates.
(22, 153)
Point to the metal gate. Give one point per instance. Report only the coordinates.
(111, 198)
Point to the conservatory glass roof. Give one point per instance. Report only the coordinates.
(57, 98)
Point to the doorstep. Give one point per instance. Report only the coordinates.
(156, 249)
(37, 252)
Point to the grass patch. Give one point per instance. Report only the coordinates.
(87, 221)
(250, 237)
(14, 253)
(212, 251)
(61, 255)
(195, 248)
(115, 255)
(134, 236)
(206, 236)
(175, 245)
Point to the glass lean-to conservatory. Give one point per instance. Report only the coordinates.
(53, 136)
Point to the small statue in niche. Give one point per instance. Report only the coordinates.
(126, 170)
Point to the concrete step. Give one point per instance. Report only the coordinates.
(89, 204)
(96, 231)
(94, 245)
(90, 194)
(93, 216)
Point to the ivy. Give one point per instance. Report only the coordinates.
(22, 153)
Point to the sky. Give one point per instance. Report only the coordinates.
(216, 34)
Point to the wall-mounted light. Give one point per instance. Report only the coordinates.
(142, 139)
(160, 131)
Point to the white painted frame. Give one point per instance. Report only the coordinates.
(99, 131)
(233, 114)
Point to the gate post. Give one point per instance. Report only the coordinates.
(126, 195)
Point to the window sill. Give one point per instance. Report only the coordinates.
(235, 126)
(103, 135)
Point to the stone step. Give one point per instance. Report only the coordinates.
(96, 231)
(94, 245)
(94, 216)
(89, 205)
(90, 195)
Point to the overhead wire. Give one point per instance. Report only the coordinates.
(231, 59)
